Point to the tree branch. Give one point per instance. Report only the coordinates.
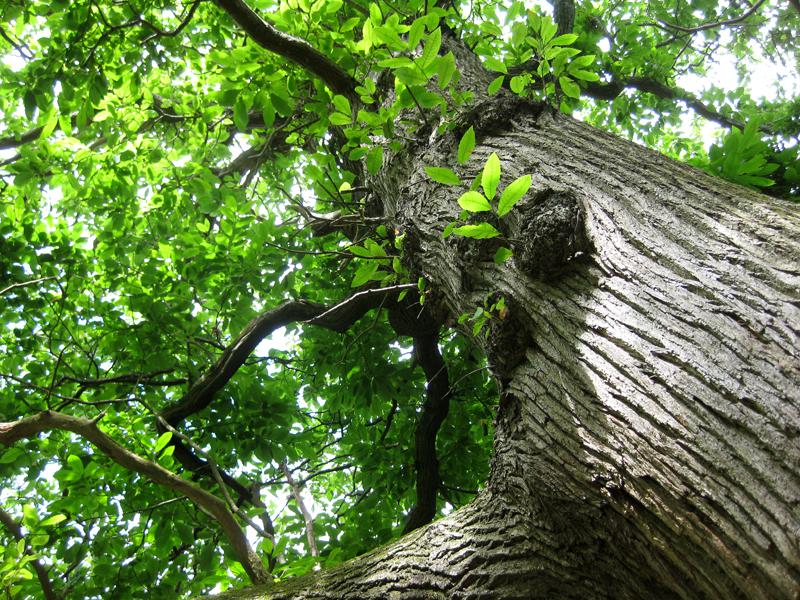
(44, 580)
(434, 412)
(132, 378)
(29, 427)
(307, 518)
(338, 318)
(24, 283)
(158, 32)
(295, 49)
(609, 91)
(714, 25)
(564, 15)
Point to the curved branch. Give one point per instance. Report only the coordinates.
(158, 32)
(41, 573)
(339, 318)
(11, 432)
(714, 25)
(295, 49)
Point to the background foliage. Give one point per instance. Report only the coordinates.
(165, 179)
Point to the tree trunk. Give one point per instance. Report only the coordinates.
(647, 437)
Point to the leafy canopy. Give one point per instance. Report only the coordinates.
(171, 171)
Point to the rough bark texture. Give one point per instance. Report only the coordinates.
(647, 437)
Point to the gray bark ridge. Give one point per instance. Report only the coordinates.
(647, 436)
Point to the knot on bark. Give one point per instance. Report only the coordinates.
(551, 234)
(507, 341)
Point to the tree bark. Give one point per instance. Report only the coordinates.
(647, 436)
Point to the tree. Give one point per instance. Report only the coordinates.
(390, 192)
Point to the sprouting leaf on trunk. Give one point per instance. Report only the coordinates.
(513, 193)
(443, 175)
(466, 145)
(480, 231)
(491, 175)
(474, 202)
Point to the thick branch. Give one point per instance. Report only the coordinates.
(564, 15)
(44, 580)
(297, 50)
(338, 318)
(434, 412)
(31, 426)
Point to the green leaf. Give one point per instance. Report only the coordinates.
(10, 455)
(432, 46)
(481, 231)
(495, 65)
(342, 104)
(375, 14)
(548, 30)
(75, 465)
(584, 75)
(494, 87)
(446, 69)
(443, 175)
(340, 119)
(416, 32)
(366, 272)
(566, 39)
(240, 110)
(50, 123)
(396, 62)
(372, 248)
(448, 230)
(375, 160)
(502, 255)
(491, 175)
(411, 77)
(582, 61)
(54, 520)
(517, 84)
(466, 145)
(513, 193)
(474, 202)
(162, 441)
(569, 87)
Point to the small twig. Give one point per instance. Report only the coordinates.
(298, 498)
(24, 283)
(714, 25)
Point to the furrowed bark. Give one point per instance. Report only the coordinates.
(647, 436)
